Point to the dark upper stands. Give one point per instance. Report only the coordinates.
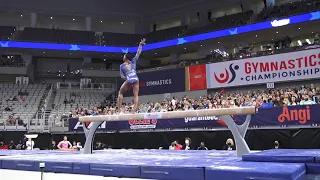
(166, 34)
(120, 39)
(289, 9)
(58, 36)
(228, 21)
(6, 32)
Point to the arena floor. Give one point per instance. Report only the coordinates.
(173, 165)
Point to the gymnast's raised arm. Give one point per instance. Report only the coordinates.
(142, 43)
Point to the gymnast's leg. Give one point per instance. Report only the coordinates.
(123, 89)
(136, 96)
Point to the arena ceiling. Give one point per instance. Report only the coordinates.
(133, 9)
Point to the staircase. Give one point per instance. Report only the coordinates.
(40, 119)
(16, 34)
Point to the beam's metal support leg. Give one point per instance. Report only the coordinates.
(238, 132)
(89, 133)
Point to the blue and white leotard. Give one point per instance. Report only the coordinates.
(128, 71)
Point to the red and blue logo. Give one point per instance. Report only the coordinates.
(229, 76)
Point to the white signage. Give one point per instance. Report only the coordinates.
(274, 68)
(270, 85)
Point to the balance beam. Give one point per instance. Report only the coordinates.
(171, 115)
(238, 131)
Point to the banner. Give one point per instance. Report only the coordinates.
(274, 68)
(196, 77)
(159, 82)
(275, 117)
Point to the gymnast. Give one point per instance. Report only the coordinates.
(129, 74)
(64, 144)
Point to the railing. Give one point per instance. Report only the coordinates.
(98, 86)
(46, 101)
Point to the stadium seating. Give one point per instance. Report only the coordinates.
(120, 39)
(223, 22)
(22, 109)
(166, 34)
(78, 99)
(6, 32)
(58, 36)
(288, 9)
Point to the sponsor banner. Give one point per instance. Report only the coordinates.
(197, 77)
(274, 68)
(159, 82)
(279, 116)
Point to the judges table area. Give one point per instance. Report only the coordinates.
(172, 165)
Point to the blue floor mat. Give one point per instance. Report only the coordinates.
(284, 155)
(154, 164)
(256, 171)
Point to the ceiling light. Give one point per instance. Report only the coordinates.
(50, 17)
(218, 42)
(256, 35)
(155, 53)
(201, 45)
(121, 22)
(299, 28)
(100, 21)
(299, 42)
(308, 41)
(277, 32)
(73, 19)
(21, 15)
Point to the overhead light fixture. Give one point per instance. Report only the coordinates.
(44, 52)
(21, 15)
(100, 21)
(201, 45)
(70, 53)
(299, 28)
(51, 17)
(256, 35)
(121, 22)
(299, 42)
(73, 19)
(277, 32)
(308, 41)
(185, 48)
(218, 42)
(155, 53)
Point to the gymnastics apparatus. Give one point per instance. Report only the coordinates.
(238, 131)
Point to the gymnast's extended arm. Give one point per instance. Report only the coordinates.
(142, 43)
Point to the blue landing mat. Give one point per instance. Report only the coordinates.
(285, 155)
(154, 164)
(30, 152)
(256, 171)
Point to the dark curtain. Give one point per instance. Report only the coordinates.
(256, 139)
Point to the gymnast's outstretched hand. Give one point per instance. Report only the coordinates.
(142, 42)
